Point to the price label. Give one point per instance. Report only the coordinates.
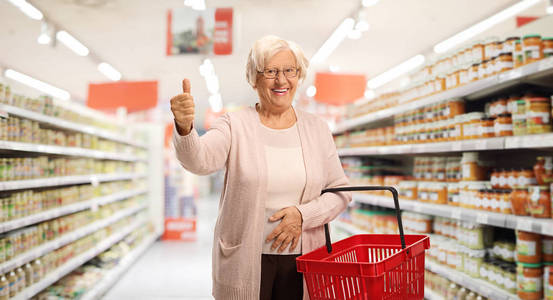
(482, 218)
(456, 214)
(545, 64)
(524, 224)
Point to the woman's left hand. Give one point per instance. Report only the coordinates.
(288, 231)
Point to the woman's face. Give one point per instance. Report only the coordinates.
(278, 93)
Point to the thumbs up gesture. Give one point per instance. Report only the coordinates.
(182, 107)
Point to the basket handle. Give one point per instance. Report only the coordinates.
(367, 188)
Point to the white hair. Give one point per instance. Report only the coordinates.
(267, 46)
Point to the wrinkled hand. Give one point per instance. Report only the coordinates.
(182, 107)
(288, 231)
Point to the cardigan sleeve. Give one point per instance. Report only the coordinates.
(208, 153)
(328, 206)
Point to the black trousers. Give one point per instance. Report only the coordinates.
(279, 278)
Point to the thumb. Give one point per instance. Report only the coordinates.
(277, 216)
(186, 86)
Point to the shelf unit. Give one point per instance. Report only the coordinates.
(481, 88)
(66, 180)
(115, 274)
(66, 239)
(69, 209)
(63, 124)
(74, 263)
(497, 143)
(70, 151)
(480, 286)
(542, 226)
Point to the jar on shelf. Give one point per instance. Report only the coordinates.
(547, 47)
(482, 69)
(525, 178)
(473, 168)
(453, 194)
(473, 72)
(529, 247)
(548, 280)
(503, 125)
(518, 55)
(519, 118)
(509, 45)
(505, 203)
(539, 204)
(478, 51)
(490, 47)
(530, 281)
(538, 115)
(494, 179)
(519, 201)
(543, 170)
(408, 190)
(532, 48)
(498, 107)
(486, 128)
(464, 74)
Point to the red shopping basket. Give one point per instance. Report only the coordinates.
(367, 266)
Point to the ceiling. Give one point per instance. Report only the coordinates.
(130, 35)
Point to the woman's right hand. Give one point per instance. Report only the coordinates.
(182, 107)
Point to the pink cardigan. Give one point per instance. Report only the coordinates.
(233, 142)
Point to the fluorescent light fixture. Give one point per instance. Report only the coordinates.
(370, 94)
(109, 71)
(37, 84)
(549, 8)
(311, 91)
(333, 41)
(367, 3)
(354, 34)
(28, 9)
(396, 71)
(72, 43)
(362, 26)
(215, 102)
(482, 26)
(44, 39)
(195, 4)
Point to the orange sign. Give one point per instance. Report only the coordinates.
(180, 229)
(134, 95)
(339, 89)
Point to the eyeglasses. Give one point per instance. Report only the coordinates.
(289, 72)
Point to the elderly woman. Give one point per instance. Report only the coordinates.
(277, 160)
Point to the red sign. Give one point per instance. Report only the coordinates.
(134, 95)
(180, 229)
(222, 38)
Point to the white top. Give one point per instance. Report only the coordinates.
(286, 177)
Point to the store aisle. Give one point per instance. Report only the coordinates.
(173, 270)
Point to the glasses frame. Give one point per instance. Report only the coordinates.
(277, 72)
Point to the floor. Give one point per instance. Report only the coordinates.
(173, 270)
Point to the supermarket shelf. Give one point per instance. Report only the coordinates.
(3, 114)
(66, 239)
(66, 180)
(74, 263)
(63, 124)
(347, 227)
(69, 209)
(114, 275)
(472, 90)
(431, 295)
(497, 143)
(542, 226)
(72, 151)
(482, 287)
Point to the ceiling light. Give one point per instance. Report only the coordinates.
(549, 8)
(44, 39)
(354, 34)
(28, 9)
(396, 71)
(72, 43)
(333, 41)
(195, 4)
(480, 27)
(370, 94)
(367, 3)
(109, 71)
(37, 84)
(311, 91)
(215, 102)
(362, 26)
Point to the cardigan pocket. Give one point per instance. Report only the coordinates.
(226, 250)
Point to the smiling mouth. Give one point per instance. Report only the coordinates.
(280, 92)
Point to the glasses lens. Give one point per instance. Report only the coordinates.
(270, 73)
(290, 72)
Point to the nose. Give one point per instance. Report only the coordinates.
(280, 77)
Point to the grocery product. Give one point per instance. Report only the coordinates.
(529, 247)
(529, 281)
